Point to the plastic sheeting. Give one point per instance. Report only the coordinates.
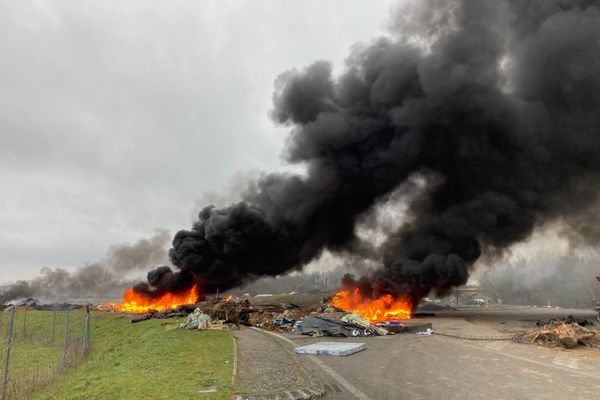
(196, 320)
(320, 326)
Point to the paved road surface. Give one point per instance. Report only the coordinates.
(438, 367)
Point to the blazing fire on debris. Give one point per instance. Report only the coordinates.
(347, 313)
(134, 302)
(383, 308)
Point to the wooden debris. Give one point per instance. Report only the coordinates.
(216, 325)
(181, 311)
(558, 333)
(141, 317)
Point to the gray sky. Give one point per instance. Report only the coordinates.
(115, 117)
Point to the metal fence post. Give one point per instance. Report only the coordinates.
(65, 340)
(53, 325)
(86, 329)
(25, 323)
(11, 320)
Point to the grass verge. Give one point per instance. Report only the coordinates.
(35, 354)
(148, 360)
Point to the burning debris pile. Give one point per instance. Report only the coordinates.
(383, 308)
(179, 311)
(558, 333)
(347, 313)
(134, 302)
(329, 318)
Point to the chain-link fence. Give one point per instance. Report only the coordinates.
(36, 345)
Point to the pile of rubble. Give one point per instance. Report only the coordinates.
(320, 320)
(218, 309)
(202, 321)
(177, 312)
(35, 304)
(563, 334)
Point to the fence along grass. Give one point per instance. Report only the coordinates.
(44, 343)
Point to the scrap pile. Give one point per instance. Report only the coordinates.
(218, 309)
(201, 321)
(353, 326)
(35, 304)
(559, 333)
(316, 321)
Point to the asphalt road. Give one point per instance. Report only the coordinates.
(407, 367)
(439, 367)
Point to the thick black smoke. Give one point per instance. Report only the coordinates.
(495, 103)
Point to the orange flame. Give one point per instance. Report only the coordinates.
(384, 308)
(137, 303)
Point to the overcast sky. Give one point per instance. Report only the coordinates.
(116, 116)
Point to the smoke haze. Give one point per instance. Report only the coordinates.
(104, 278)
(566, 280)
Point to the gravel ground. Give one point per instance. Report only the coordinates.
(267, 370)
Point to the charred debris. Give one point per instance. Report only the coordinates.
(322, 319)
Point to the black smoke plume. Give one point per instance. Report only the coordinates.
(495, 104)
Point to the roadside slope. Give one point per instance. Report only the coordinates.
(149, 360)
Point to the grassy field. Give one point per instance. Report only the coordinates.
(149, 360)
(36, 353)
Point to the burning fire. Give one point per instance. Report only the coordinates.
(384, 308)
(136, 303)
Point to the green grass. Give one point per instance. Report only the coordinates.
(31, 365)
(35, 357)
(148, 360)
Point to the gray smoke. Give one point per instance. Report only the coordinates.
(566, 280)
(104, 278)
(130, 257)
(494, 104)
